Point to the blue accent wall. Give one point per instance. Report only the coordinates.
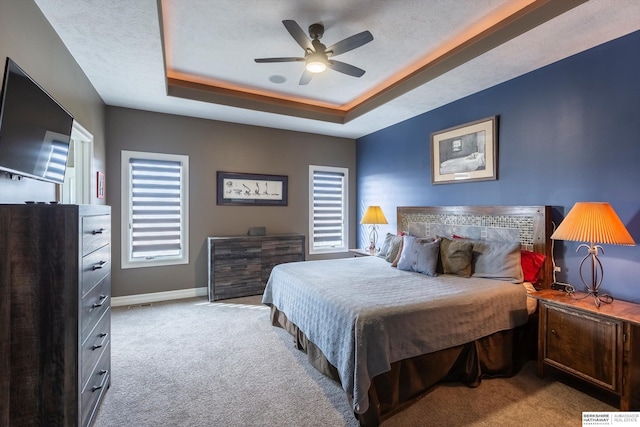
(568, 132)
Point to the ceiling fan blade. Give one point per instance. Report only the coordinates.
(306, 77)
(345, 68)
(350, 43)
(297, 33)
(285, 59)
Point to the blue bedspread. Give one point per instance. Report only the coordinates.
(364, 314)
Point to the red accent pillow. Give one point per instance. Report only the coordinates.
(531, 263)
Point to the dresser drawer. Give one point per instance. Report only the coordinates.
(237, 249)
(96, 385)
(93, 347)
(93, 306)
(236, 269)
(235, 289)
(277, 248)
(96, 232)
(95, 266)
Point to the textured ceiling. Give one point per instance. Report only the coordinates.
(425, 53)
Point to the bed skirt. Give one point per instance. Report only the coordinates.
(501, 354)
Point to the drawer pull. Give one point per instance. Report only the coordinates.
(98, 387)
(99, 265)
(97, 346)
(100, 302)
(553, 331)
(98, 231)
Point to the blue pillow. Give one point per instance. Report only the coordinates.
(419, 255)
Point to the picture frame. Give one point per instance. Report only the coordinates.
(247, 189)
(100, 185)
(465, 153)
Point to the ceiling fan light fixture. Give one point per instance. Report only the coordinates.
(316, 62)
(316, 66)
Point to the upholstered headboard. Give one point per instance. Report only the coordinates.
(530, 225)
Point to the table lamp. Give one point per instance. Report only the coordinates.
(596, 223)
(373, 216)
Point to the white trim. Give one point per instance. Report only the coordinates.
(83, 144)
(158, 296)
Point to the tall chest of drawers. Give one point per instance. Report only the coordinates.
(55, 316)
(240, 265)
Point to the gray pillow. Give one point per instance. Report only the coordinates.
(419, 255)
(384, 248)
(497, 260)
(390, 247)
(456, 256)
(394, 248)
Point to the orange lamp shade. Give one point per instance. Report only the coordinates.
(593, 222)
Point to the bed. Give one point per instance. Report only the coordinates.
(389, 328)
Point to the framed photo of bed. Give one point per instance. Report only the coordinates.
(465, 153)
(241, 189)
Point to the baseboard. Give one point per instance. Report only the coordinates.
(158, 296)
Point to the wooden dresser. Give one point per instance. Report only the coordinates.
(241, 265)
(598, 345)
(55, 293)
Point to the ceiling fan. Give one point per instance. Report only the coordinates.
(316, 55)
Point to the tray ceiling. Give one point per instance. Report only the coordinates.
(196, 57)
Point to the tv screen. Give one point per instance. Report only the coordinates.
(34, 129)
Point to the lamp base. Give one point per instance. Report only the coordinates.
(599, 298)
(597, 273)
(373, 238)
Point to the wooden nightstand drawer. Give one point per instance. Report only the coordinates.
(583, 345)
(599, 345)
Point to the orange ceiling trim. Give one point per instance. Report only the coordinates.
(217, 95)
(463, 38)
(510, 21)
(218, 84)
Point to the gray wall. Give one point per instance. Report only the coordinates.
(217, 146)
(27, 38)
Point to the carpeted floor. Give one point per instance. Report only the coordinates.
(192, 363)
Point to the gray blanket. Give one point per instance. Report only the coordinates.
(364, 314)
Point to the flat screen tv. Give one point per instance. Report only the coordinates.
(34, 129)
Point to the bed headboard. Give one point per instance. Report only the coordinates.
(530, 225)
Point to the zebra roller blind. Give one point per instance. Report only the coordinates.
(328, 209)
(156, 208)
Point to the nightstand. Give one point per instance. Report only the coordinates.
(361, 252)
(598, 345)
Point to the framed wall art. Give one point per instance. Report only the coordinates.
(100, 185)
(238, 189)
(465, 153)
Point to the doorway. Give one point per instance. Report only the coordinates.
(78, 179)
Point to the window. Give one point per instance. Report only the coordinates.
(155, 204)
(328, 209)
